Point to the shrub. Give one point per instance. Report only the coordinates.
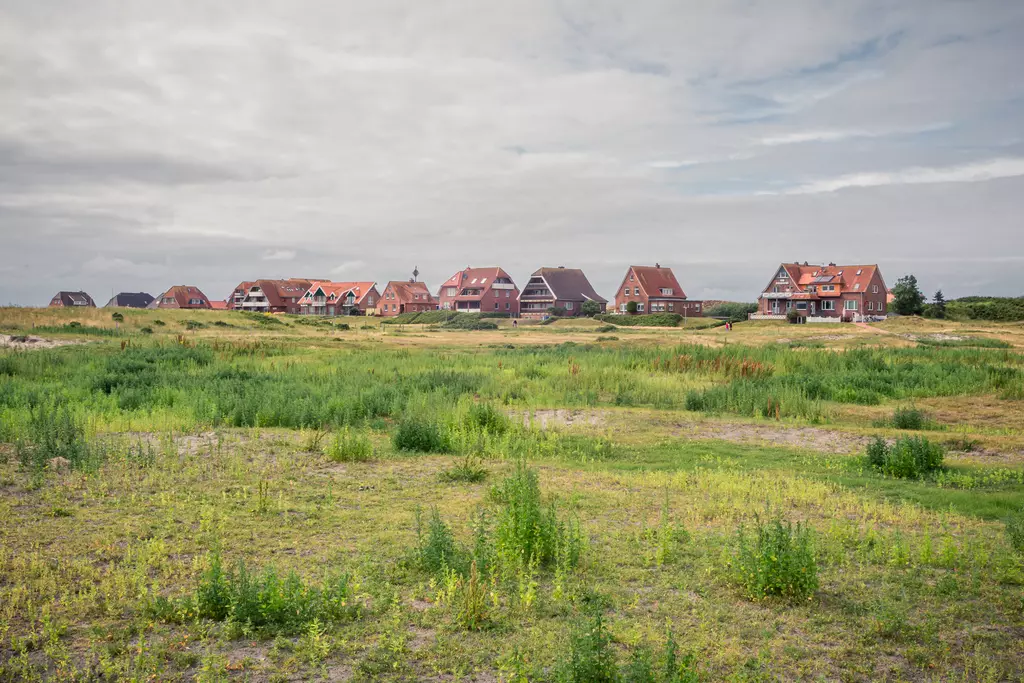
(606, 328)
(193, 324)
(486, 417)
(436, 549)
(146, 330)
(908, 458)
(776, 560)
(649, 320)
(159, 323)
(350, 446)
(462, 323)
(117, 317)
(793, 316)
(54, 432)
(420, 435)
(631, 307)
(909, 418)
(1015, 530)
(528, 532)
(590, 308)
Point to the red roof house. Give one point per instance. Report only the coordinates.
(824, 292)
(405, 296)
(480, 290)
(339, 298)
(269, 296)
(182, 296)
(654, 289)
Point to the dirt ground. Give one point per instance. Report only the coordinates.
(27, 341)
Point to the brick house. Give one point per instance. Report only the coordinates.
(339, 298)
(824, 293)
(182, 296)
(71, 300)
(561, 287)
(654, 289)
(480, 290)
(405, 296)
(269, 296)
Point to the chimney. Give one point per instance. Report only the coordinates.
(831, 264)
(657, 265)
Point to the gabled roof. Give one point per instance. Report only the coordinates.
(280, 292)
(406, 291)
(855, 278)
(183, 294)
(341, 289)
(131, 300)
(476, 278)
(653, 279)
(569, 284)
(219, 305)
(72, 299)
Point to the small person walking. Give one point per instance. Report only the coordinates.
(515, 323)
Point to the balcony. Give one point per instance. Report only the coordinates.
(776, 295)
(503, 285)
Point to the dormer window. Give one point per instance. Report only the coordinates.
(856, 285)
(859, 272)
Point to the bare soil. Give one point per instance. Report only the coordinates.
(28, 341)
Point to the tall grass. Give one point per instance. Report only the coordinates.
(908, 458)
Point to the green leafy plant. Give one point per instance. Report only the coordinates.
(908, 458)
(468, 469)
(777, 559)
(591, 657)
(420, 435)
(1015, 530)
(350, 446)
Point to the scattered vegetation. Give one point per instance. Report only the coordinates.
(777, 559)
(649, 320)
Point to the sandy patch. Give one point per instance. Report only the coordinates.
(813, 438)
(28, 341)
(561, 417)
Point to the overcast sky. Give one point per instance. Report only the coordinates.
(145, 144)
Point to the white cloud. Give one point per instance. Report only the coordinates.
(965, 173)
(838, 135)
(279, 255)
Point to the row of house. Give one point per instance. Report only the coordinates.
(815, 292)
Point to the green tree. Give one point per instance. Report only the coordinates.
(631, 307)
(907, 298)
(590, 308)
(939, 305)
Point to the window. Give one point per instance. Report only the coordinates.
(508, 293)
(630, 276)
(495, 305)
(671, 306)
(801, 306)
(640, 308)
(636, 291)
(856, 285)
(828, 305)
(775, 288)
(622, 308)
(871, 305)
(508, 306)
(850, 305)
(667, 291)
(874, 289)
(626, 293)
(568, 305)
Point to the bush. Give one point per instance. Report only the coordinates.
(909, 418)
(420, 435)
(484, 416)
(650, 320)
(54, 432)
(159, 323)
(146, 330)
(349, 446)
(468, 324)
(436, 549)
(528, 532)
(732, 310)
(117, 317)
(590, 308)
(793, 316)
(909, 458)
(193, 324)
(1015, 530)
(262, 600)
(606, 328)
(776, 560)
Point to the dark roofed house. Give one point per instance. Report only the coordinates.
(654, 289)
(131, 300)
(561, 287)
(182, 296)
(72, 300)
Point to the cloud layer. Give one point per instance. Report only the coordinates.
(151, 144)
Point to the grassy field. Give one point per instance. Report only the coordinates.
(217, 496)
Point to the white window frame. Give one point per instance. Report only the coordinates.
(636, 291)
(640, 307)
(828, 305)
(568, 305)
(850, 305)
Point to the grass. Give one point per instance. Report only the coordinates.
(569, 527)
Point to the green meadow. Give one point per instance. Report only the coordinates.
(228, 497)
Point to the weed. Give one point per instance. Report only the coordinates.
(420, 435)
(776, 560)
(591, 657)
(909, 418)
(55, 435)
(313, 440)
(908, 458)
(1015, 530)
(350, 446)
(468, 469)
(437, 551)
